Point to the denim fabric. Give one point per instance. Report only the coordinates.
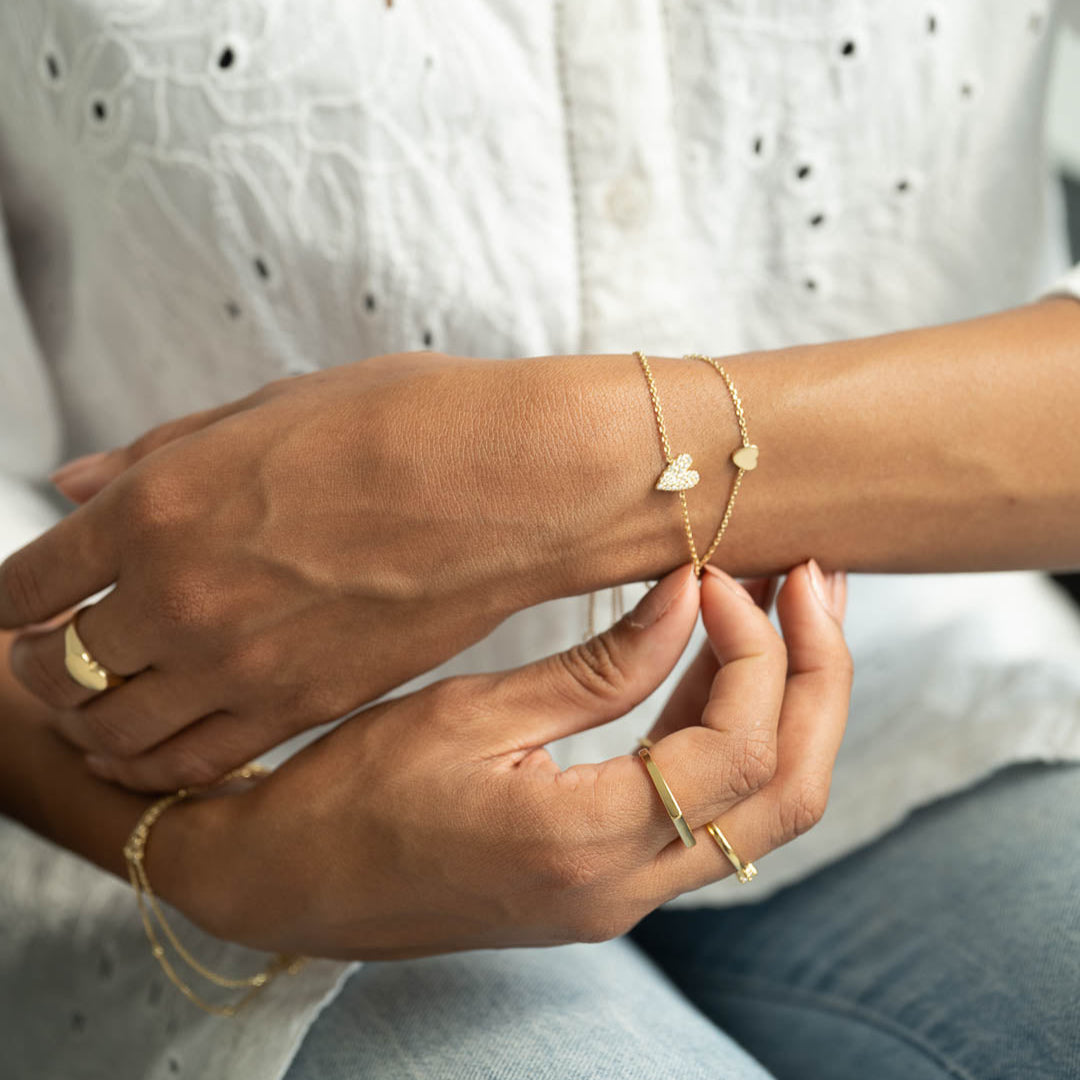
(578, 1012)
(948, 949)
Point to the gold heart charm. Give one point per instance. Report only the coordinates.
(745, 457)
(678, 476)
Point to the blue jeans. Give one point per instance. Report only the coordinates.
(950, 948)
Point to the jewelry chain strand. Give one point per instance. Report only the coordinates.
(150, 911)
(740, 417)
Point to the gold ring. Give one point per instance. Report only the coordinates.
(745, 872)
(671, 804)
(82, 667)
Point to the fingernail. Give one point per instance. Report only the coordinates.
(80, 464)
(655, 603)
(823, 589)
(730, 582)
(837, 582)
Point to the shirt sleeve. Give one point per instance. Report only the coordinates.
(29, 419)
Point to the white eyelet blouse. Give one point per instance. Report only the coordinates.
(199, 196)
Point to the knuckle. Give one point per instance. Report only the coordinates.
(748, 764)
(186, 599)
(255, 659)
(803, 809)
(19, 581)
(593, 667)
(157, 501)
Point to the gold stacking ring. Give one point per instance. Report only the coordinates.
(82, 667)
(745, 872)
(671, 804)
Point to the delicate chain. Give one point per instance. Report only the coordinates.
(744, 458)
(151, 912)
(668, 459)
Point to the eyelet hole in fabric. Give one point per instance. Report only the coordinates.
(931, 24)
(52, 69)
(803, 171)
(428, 339)
(369, 301)
(848, 48)
(228, 55)
(816, 220)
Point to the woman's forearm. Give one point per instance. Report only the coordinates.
(941, 449)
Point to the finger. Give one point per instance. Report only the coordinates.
(602, 678)
(81, 479)
(132, 719)
(687, 702)
(37, 657)
(200, 754)
(730, 753)
(688, 699)
(811, 729)
(73, 560)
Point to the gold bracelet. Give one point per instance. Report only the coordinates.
(135, 854)
(678, 476)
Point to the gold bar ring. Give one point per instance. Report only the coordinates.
(745, 872)
(667, 797)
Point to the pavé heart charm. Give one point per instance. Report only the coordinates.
(678, 476)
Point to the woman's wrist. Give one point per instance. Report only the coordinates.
(617, 527)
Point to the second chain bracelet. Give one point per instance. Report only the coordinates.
(678, 475)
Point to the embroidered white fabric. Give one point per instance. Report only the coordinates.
(202, 195)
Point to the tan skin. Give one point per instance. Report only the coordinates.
(344, 853)
(271, 556)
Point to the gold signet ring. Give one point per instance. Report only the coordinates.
(745, 872)
(82, 667)
(667, 797)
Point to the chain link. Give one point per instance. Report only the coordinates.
(740, 418)
(150, 911)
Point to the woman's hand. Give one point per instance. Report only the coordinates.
(438, 822)
(287, 558)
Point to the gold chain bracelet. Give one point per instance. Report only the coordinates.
(151, 912)
(679, 477)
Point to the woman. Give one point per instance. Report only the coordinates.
(274, 191)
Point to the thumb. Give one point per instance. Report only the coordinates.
(605, 677)
(80, 480)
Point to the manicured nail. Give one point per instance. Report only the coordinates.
(837, 582)
(817, 583)
(655, 603)
(80, 464)
(730, 582)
